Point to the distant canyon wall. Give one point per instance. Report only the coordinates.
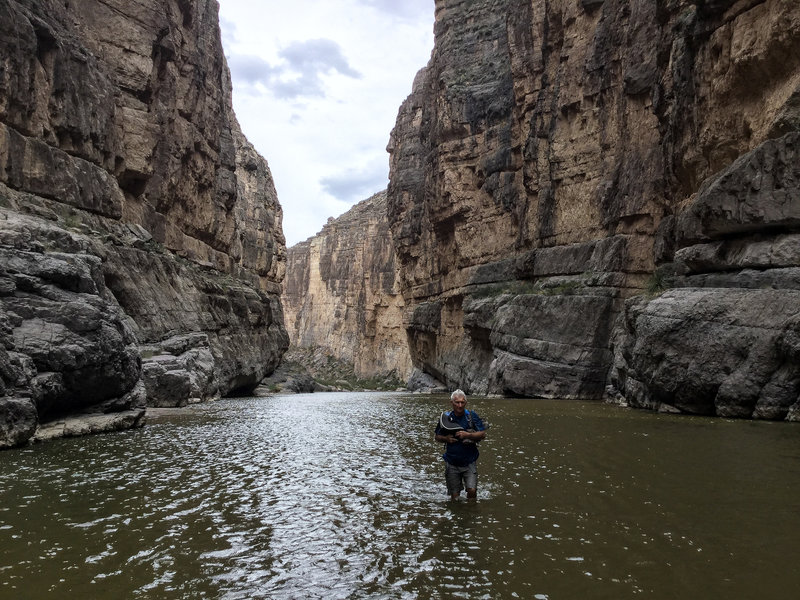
(341, 292)
(592, 197)
(141, 250)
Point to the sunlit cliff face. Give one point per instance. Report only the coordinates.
(341, 292)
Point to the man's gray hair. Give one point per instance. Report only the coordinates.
(458, 393)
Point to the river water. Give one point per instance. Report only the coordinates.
(342, 495)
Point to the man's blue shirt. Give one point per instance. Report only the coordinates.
(459, 453)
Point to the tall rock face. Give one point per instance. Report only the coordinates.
(557, 158)
(141, 251)
(342, 293)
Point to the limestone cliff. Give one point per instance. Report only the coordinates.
(341, 292)
(557, 157)
(141, 252)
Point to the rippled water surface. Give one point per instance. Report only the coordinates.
(342, 496)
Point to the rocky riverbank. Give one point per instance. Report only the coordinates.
(314, 369)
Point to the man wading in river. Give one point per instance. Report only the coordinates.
(460, 430)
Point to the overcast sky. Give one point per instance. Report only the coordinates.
(316, 88)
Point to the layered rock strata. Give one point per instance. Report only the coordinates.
(341, 292)
(725, 339)
(557, 158)
(141, 252)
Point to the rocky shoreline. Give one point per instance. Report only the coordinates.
(315, 369)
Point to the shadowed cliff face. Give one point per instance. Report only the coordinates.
(341, 292)
(124, 171)
(556, 157)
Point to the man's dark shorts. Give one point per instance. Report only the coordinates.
(459, 478)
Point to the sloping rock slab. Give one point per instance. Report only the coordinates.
(725, 352)
(78, 425)
(758, 190)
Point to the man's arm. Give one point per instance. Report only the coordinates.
(475, 436)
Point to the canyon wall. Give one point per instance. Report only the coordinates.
(341, 292)
(141, 250)
(601, 197)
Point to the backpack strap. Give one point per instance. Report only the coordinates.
(470, 422)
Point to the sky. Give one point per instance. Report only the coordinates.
(316, 89)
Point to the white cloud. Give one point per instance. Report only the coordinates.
(355, 184)
(297, 75)
(406, 9)
(318, 56)
(317, 85)
(250, 69)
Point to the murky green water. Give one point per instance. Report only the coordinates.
(342, 496)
